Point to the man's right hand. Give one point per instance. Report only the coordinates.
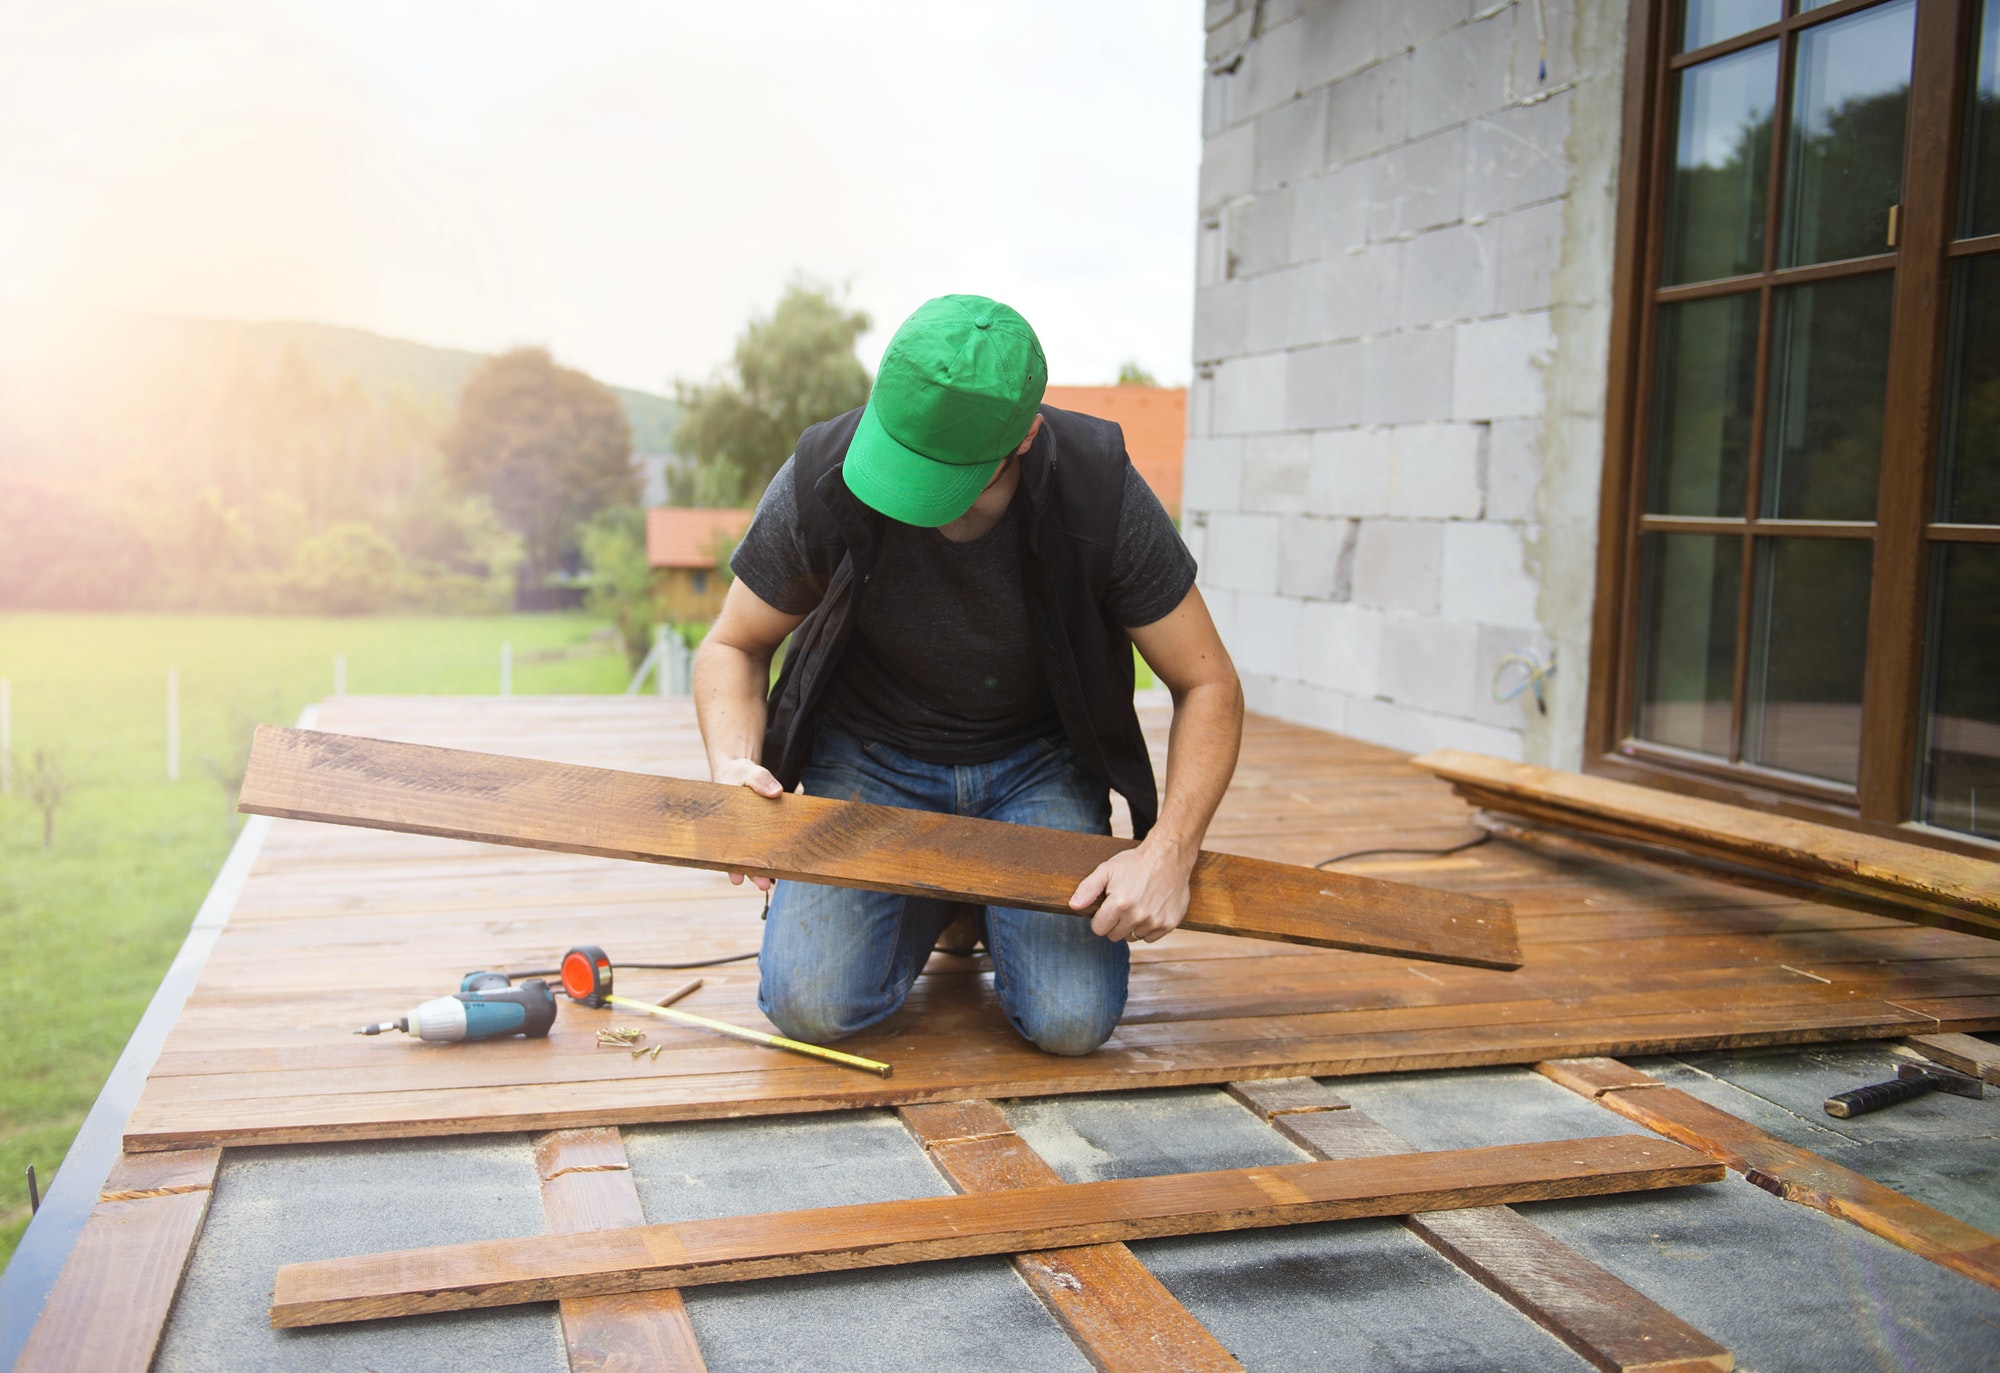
(747, 772)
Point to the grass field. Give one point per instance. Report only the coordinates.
(90, 924)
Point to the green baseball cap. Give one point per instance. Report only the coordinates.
(956, 393)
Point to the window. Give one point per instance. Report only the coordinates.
(1799, 601)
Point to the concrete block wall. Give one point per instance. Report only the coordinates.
(1403, 263)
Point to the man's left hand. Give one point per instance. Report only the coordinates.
(1145, 892)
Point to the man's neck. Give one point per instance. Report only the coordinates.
(987, 510)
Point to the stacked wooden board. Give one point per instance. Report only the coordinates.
(1925, 883)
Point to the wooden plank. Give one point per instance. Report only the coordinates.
(108, 1308)
(1784, 1169)
(1605, 1320)
(489, 798)
(1120, 1316)
(1925, 879)
(1974, 1057)
(1022, 1219)
(587, 1185)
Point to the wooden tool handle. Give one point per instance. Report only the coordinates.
(1876, 1095)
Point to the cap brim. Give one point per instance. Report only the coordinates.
(904, 484)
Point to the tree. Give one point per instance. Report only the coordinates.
(48, 784)
(791, 370)
(1130, 373)
(621, 580)
(548, 446)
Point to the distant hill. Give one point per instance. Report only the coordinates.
(80, 400)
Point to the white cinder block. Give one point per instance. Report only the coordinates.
(1407, 377)
(1477, 738)
(1259, 691)
(1274, 473)
(1434, 470)
(1314, 707)
(1221, 321)
(1260, 232)
(1267, 631)
(1406, 23)
(1513, 469)
(1485, 575)
(1516, 157)
(1212, 475)
(1398, 565)
(1250, 395)
(1343, 647)
(1496, 642)
(1330, 213)
(1348, 295)
(1335, 40)
(1348, 472)
(1430, 664)
(1368, 112)
(1243, 553)
(1325, 388)
(1530, 251)
(1228, 166)
(1497, 372)
(1449, 274)
(1274, 301)
(1417, 186)
(1460, 73)
(1315, 558)
(1194, 533)
(1270, 71)
(1291, 142)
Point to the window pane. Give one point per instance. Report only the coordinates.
(1808, 639)
(1844, 154)
(1687, 639)
(1704, 385)
(1980, 213)
(1969, 467)
(1961, 786)
(1722, 158)
(1711, 21)
(1829, 373)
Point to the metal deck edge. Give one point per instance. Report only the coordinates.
(45, 1246)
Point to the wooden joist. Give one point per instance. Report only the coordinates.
(1120, 1316)
(489, 798)
(1019, 1220)
(1908, 879)
(587, 1185)
(1606, 1321)
(1964, 1053)
(108, 1308)
(1782, 1169)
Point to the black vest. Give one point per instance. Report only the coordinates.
(1073, 477)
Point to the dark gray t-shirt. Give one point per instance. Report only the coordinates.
(942, 663)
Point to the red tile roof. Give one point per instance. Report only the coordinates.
(678, 537)
(1154, 419)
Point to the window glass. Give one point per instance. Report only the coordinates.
(1969, 466)
(1961, 739)
(1844, 150)
(1702, 397)
(1687, 639)
(1829, 373)
(1722, 157)
(1710, 21)
(1808, 641)
(1979, 211)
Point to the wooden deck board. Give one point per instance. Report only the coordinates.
(339, 926)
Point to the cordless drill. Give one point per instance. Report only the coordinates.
(486, 1006)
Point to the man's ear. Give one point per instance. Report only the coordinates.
(1033, 430)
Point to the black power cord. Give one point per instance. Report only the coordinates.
(1429, 853)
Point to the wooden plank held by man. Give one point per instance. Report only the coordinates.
(488, 798)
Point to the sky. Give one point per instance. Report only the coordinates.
(623, 183)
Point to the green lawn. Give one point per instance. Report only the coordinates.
(90, 924)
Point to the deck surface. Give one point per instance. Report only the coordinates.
(337, 926)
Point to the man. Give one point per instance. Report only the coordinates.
(967, 572)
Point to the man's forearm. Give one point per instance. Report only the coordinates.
(729, 689)
(1201, 758)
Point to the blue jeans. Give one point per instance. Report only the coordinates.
(837, 960)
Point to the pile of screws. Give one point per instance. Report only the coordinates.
(627, 1038)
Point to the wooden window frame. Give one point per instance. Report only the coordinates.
(1881, 801)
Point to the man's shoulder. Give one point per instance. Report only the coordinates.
(1076, 429)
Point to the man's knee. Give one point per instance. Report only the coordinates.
(812, 1010)
(1071, 1031)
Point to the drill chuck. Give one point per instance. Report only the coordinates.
(492, 1013)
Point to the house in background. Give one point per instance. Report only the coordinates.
(1154, 419)
(684, 548)
(1651, 344)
